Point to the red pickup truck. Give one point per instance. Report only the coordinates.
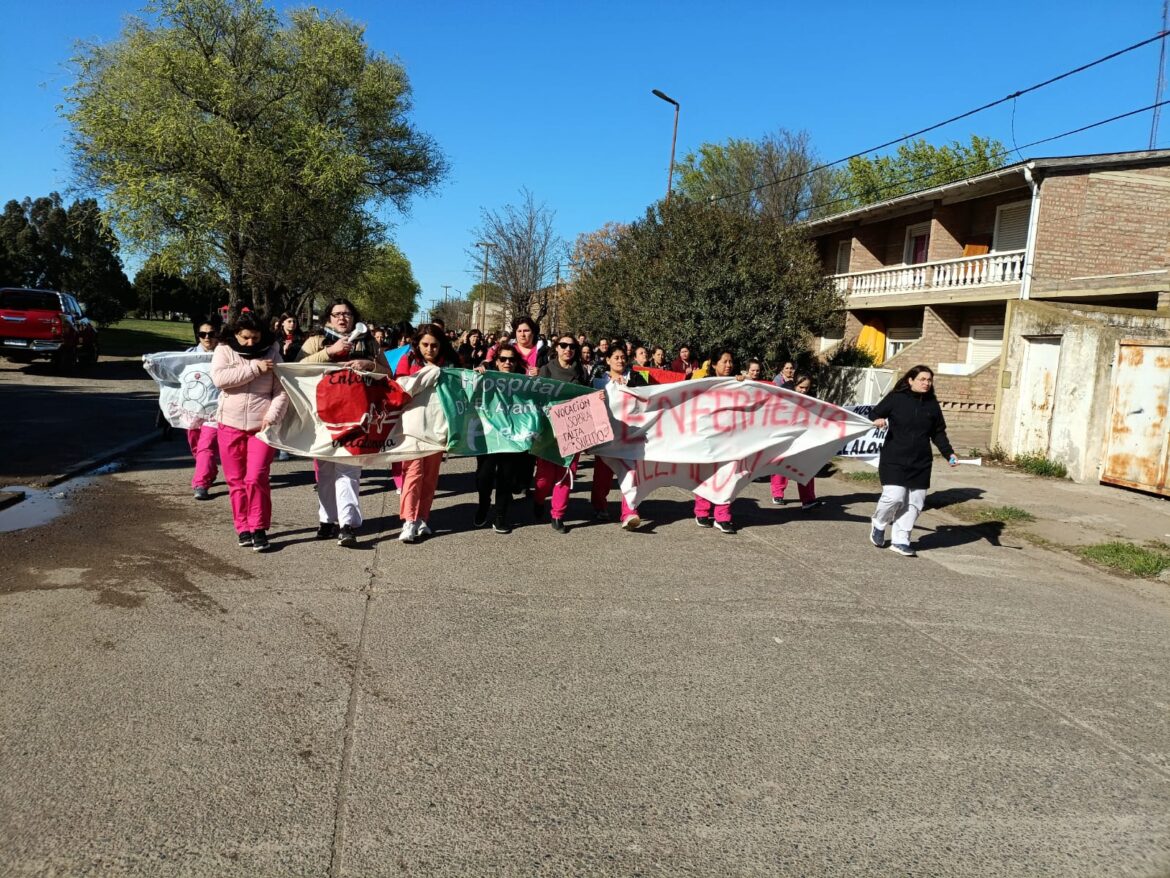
(45, 324)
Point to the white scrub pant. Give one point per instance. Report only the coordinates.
(339, 499)
(901, 507)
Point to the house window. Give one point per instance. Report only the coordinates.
(898, 338)
(984, 344)
(917, 243)
(1011, 226)
(844, 251)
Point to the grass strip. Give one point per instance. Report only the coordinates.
(1136, 560)
(133, 338)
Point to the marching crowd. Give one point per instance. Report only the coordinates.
(251, 399)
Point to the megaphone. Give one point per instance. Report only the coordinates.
(358, 331)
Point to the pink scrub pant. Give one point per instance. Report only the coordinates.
(555, 480)
(703, 509)
(807, 493)
(599, 494)
(205, 449)
(246, 461)
(419, 479)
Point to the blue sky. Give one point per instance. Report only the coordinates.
(556, 97)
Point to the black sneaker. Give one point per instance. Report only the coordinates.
(326, 530)
(726, 526)
(778, 501)
(260, 541)
(482, 513)
(346, 537)
(538, 510)
(601, 515)
(246, 540)
(201, 494)
(501, 526)
(811, 505)
(705, 522)
(558, 524)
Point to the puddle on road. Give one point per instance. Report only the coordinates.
(42, 505)
(38, 507)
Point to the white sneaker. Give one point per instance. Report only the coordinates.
(409, 532)
(423, 529)
(632, 523)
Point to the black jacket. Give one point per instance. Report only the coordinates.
(915, 421)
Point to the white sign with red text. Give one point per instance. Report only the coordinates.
(714, 436)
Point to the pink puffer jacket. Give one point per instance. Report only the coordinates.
(248, 397)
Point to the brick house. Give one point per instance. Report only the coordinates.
(931, 273)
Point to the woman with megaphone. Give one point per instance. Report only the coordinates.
(344, 340)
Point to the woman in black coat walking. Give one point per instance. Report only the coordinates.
(913, 419)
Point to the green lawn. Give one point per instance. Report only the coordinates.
(133, 338)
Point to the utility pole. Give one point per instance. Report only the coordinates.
(1160, 81)
(487, 245)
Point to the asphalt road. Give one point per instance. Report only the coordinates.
(58, 421)
(787, 701)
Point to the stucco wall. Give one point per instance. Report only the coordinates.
(1080, 408)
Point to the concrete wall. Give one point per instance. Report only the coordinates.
(1080, 411)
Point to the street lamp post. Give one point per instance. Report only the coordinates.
(673, 138)
(487, 245)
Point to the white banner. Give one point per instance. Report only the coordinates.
(868, 447)
(715, 435)
(186, 394)
(358, 417)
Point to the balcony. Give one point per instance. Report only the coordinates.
(967, 273)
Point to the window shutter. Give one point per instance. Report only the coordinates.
(1011, 227)
(844, 249)
(985, 345)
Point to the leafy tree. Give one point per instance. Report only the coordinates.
(525, 254)
(774, 176)
(45, 244)
(695, 273)
(223, 137)
(916, 165)
(158, 288)
(387, 292)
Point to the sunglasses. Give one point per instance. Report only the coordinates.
(563, 345)
(207, 334)
(505, 359)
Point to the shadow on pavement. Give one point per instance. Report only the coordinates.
(948, 536)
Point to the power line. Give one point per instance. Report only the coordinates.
(910, 181)
(1160, 35)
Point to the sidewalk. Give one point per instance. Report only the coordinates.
(1067, 513)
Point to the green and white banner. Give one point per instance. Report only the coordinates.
(496, 411)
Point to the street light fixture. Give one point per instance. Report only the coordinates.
(670, 179)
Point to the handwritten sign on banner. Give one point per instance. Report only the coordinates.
(581, 423)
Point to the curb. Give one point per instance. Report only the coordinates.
(94, 462)
(10, 498)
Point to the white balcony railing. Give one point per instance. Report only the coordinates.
(991, 269)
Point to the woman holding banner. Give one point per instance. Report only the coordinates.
(550, 477)
(497, 471)
(420, 477)
(913, 419)
(722, 366)
(203, 439)
(250, 400)
(801, 383)
(339, 502)
(615, 359)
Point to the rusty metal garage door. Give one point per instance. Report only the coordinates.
(1136, 441)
